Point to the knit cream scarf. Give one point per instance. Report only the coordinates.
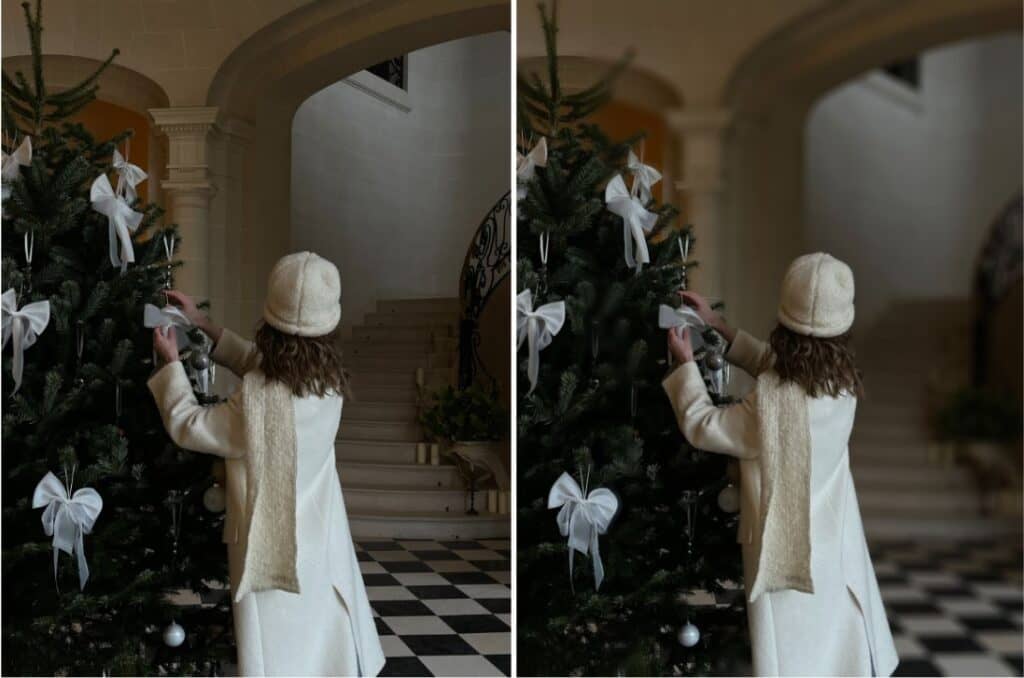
(785, 560)
(270, 479)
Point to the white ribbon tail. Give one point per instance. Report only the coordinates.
(533, 361)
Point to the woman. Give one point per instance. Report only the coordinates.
(814, 605)
(300, 606)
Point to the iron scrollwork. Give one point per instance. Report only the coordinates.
(487, 264)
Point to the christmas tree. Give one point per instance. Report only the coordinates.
(75, 404)
(597, 412)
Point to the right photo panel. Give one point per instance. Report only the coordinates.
(769, 330)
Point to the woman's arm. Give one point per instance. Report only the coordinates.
(217, 429)
(229, 349)
(728, 430)
(745, 352)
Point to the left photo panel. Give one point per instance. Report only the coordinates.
(256, 327)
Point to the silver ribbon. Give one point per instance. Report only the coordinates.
(636, 221)
(67, 519)
(644, 176)
(122, 220)
(537, 328)
(526, 166)
(168, 316)
(23, 326)
(128, 176)
(12, 164)
(583, 520)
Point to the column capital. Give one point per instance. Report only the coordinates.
(187, 129)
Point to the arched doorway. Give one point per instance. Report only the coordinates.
(257, 92)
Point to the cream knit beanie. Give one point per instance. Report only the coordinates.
(303, 295)
(817, 296)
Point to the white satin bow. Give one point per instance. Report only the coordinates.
(12, 164)
(645, 176)
(168, 316)
(24, 325)
(128, 176)
(526, 166)
(583, 520)
(684, 316)
(122, 218)
(636, 220)
(67, 519)
(536, 327)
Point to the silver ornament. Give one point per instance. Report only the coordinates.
(214, 499)
(689, 635)
(174, 635)
(729, 499)
(715, 361)
(199, 361)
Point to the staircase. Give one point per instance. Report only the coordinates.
(906, 488)
(387, 494)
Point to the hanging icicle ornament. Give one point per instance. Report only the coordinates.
(644, 176)
(79, 351)
(537, 328)
(637, 221)
(12, 164)
(526, 166)
(22, 327)
(583, 517)
(128, 176)
(689, 499)
(122, 220)
(169, 253)
(67, 518)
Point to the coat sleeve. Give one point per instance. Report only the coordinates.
(216, 429)
(235, 353)
(749, 354)
(728, 430)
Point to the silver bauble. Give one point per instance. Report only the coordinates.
(199, 361)
(715, 361)
(729, 499)
(174, 635)
(214, 499)
(689, 635)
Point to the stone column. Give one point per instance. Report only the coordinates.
(700, 134)
(187, 188)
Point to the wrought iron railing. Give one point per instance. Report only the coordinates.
(487, 264)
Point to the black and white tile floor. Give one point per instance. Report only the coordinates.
(443, 608)
(954, 607)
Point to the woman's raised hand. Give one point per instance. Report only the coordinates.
(186, 304)
(699, 304)
(165, 344)
(679, 344)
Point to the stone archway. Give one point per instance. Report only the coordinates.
(244, 176)
(769, 96)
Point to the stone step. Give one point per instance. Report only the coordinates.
(411, 499)
(375, 379)
(382, 349)
(888, 433)
(427, 304)
(375, 452)
(380, 411)
(428, 525)
(909, 502)
(403, 363)
(369, 429)
(411, 320)
(363, 333)
(379, 475)
(891, 454)
(888, 526)
(895, 478)
(390, 394)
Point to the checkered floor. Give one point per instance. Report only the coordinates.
(954, 607)
(442, 608)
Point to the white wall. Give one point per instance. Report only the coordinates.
(903, 187)
(393, 197)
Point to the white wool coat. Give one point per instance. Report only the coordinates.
(841, 629)
(327, 628)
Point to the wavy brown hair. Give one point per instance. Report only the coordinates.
(307, 365)
(822, 365)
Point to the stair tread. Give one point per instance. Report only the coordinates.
(433, 515)
(393, 489)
